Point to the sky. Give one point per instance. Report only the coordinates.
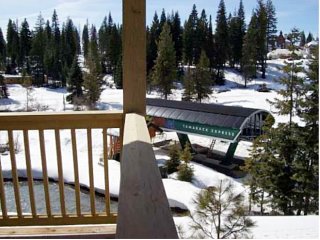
(303, 14)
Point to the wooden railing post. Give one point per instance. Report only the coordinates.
(143, 210)
(134, 56)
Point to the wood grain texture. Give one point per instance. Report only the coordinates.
(134, 56)
(59, 231)
(143, 210)
(64, 120)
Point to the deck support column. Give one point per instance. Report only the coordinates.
(134, 56)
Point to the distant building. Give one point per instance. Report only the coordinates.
(281, 41)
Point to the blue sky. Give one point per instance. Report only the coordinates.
(303, 14)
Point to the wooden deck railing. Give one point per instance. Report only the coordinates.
(41, 122)
(143, 210)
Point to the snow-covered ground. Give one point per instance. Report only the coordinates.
(180, 194)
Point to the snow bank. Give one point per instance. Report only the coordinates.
(271, 227)
(283, 53)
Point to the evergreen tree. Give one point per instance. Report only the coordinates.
(3, 50)
(241, 33)
(188, 82)
(164, 72)
(306, 166)
(221, 42)
(38, 50)
(310, 37)
(85, 41)
(185, 171)
(220, 213)
(202, 78)
(25, 42)
(75, 81)
(303, 39)
(153, 38)
(262, 24)
(210, 44)
(92, 82)
(249, 50)
(173, 163)
(271, 25)
(118, 74)
(3, 88)
(259, 166)
(56, 42)
(190, 38)
(233, 38)
(163, 19)
(202, 35)
(176, 31)
(12, 43)
(94, 49)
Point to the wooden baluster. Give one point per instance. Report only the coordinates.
(14, 172)
(45, 173)
(76, 171)
(90, 163)
(2, 195)
(29, 172)
(60, 172)
(106, 171)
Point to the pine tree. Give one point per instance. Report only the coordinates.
(164, 72)
(12, 43)
(262, 24)
(303, 39)
(173, 163)
(25, 42)
(220, 213)
(241, 34)
(210, 44)
(271, 25)
(176, 31)
(306, 166)
(233, 38)
(92, 82)
(202, 78)
(75, 81)
(188, 82)
(163, 19)
(310, 37)
(85, 41)
(3, 88)
(221, 42)
(258, 166)
(38, 51)
(202, 35)
(249, 51)
(56, 68)
(3, 50)
(153, 38)
(118, 74)
(185, 171)
(190, 38)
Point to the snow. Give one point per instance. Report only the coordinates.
(272, 227)
(180, 194)
(283, 53)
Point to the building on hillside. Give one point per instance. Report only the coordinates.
(281, 41)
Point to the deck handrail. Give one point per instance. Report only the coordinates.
(143, 210)
(41, 122)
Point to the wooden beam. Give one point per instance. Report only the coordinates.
(143, 210)
(134, 56)
(66, 231)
